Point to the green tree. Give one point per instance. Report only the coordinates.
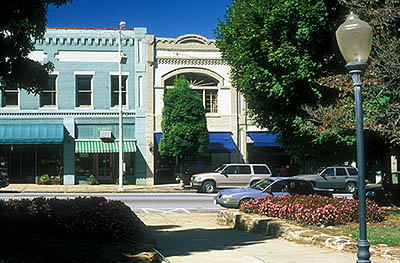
(276, 50)
(183, 123)
(380, 90)
(21, 22)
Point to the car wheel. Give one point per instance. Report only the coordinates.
(350, 187)
(208, 187)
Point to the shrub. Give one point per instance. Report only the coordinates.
(44, 179)
(91, 217)
(313, 209)
(92, 180)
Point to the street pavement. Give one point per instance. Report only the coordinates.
(197, 238)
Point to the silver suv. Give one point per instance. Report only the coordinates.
(334, 177)
(230, 175)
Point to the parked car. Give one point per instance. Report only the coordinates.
(275, 186)
(4, 181)
(230, 175)
(342, 178)
(375, 191)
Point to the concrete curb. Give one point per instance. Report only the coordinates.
(274, 228)
(104, 188)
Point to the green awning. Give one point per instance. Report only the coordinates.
(31, 133)
(103, 147)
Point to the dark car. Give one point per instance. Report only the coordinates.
(375, 191)
(275, 186)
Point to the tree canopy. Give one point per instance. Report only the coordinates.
(285, 60)
(276, 50)
(183, 124)
(21, 22)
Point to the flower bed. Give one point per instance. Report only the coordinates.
(313, 209)
(92, 217)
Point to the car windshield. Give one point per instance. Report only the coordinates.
(318, 171)
(220, 168)
(261, 185)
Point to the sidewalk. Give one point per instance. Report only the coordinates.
(103, 188)
(197, 238)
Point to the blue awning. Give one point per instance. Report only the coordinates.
(220, 142)
(263, 139)
(158, 137)
(31, 133)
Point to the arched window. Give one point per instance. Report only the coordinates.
(205, 85)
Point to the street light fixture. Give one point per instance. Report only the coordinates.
(354, 38)
(121, 60)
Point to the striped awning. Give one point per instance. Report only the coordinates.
(103, 147)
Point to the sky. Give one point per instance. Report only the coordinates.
(162, 18)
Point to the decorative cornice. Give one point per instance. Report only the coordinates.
(190, 42)
(189, 61)
(83, 41)
(62, 114)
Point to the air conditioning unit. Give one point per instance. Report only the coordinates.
(105, 135)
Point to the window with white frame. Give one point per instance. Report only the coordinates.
(48, 95)
(10, 97)
(83, 90)
(206, 86)
(115, 90)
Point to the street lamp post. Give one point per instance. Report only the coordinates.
(121, 132)
(354, 38)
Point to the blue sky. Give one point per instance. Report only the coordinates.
(161, 18)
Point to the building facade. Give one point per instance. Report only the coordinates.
(70, 129)
(231, 134)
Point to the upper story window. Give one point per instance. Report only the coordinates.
(206, 86)
(48, 95)
(115, 90)
(83, 90)
(10, 97)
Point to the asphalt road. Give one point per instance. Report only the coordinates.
(147, 202)
(143, 202)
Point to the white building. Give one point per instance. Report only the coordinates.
(198, 59)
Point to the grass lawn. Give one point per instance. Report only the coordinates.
(386, 232)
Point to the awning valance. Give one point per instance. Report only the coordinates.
(220, 142)
(103, 147)
(263, 139)
(31, 133)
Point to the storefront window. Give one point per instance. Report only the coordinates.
(103, 165)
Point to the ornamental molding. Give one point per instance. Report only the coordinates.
(190, 42)
(62, 114)
(83, 41)
(189, 61)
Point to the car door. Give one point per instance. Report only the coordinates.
(243, 175)
(227, 176)
(327, 178)
(280, 188)
(341, 177)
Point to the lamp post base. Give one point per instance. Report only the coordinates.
(363, 252)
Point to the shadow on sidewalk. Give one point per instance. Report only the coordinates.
(174, 241)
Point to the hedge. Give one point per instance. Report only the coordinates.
(93, 216)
